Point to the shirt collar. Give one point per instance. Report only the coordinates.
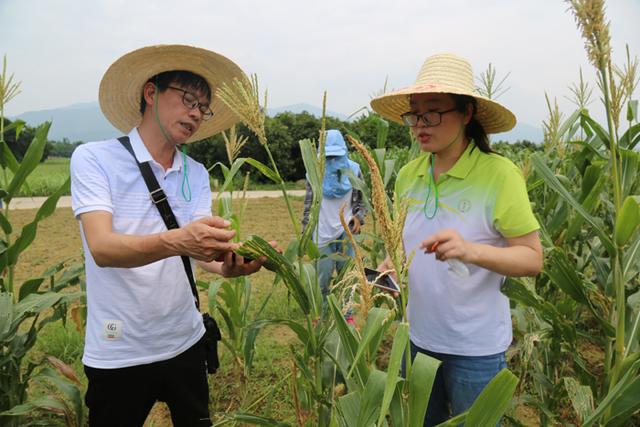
(143, 155)
(463, 165)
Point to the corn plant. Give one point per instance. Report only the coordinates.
(24, 309)
(587, 197)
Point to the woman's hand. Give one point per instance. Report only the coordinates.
(447, 244)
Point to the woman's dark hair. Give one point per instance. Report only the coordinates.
(185, 79)
(474, 129)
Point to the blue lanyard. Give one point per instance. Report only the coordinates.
(435, 186)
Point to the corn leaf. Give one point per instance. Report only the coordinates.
(30, 161)
(423, 373)
(377, 323)
(371, 397)
(553, 182)
(619, 395)
(493, 401)
(581, 397)
(628, 220)
(395, 361)
(255, 247)
(631, 137)
(265, 170)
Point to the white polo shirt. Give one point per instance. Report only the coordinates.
(484, 198)
(144, 314)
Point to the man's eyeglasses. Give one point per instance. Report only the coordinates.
(430, 118)
(190, 100)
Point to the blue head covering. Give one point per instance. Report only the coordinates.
(336, 182)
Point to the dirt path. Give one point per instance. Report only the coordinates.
(65, 201)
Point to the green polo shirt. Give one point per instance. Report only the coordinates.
(484, 198)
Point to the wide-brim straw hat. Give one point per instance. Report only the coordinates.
(446, 73)
(122, 84)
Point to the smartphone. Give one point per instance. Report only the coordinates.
(385, 282)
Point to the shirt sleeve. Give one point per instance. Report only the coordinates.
(512, 215)
(90, 189)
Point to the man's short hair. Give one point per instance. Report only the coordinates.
(185, 79)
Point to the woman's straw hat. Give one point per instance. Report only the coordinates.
(121, 86)
(445, 73)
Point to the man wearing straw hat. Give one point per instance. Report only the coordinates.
(144, 336)
(469, 208)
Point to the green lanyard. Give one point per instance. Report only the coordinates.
(185, 178)
(435, 186)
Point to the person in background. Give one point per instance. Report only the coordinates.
(337, 191)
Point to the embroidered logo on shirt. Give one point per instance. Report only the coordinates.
(112, 329)
(464, 205)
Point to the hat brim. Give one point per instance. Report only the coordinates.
(122, 84)
(493, 117)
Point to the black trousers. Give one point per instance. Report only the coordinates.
(123, 397)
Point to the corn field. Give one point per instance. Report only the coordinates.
(575, 359)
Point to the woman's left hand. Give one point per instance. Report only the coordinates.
(447, 244)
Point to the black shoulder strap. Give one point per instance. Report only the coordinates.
(159, 198)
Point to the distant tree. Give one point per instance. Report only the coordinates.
(63, 148)
(20, 145)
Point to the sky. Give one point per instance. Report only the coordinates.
(59, 49)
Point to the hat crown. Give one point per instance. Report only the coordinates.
(446, 70)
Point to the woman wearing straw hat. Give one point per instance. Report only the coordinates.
(470, 208)
(144, 336)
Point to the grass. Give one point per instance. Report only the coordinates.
(46, 178)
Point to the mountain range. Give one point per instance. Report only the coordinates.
(85, 122)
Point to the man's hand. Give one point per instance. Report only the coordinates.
(230, 264)
(205, 240)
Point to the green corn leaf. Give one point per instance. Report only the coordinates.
(630, 165)
(617, 395)
(8, 160)
(349, 341)
(493, 401)
(628, 220)
(265, 170)
(371, 397)
(632, 110)
(6, 313)
(553, 182)
(382, 131)
(349, 407)
(5, 224)
(229, 174)
(599, 130)
(314, 177)
(631, 137)
(250, 419)
(568, 124)
(30, 286)
(395, 362)
(255, 247)
(423, 373)
(30, 160)
(300, 331)
(377, 323)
